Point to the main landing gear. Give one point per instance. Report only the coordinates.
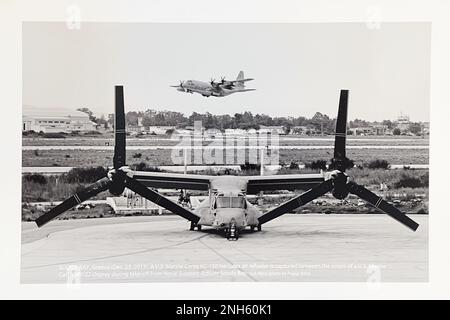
(195, 225)
(258, 227)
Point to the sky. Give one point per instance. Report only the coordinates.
(298, 68)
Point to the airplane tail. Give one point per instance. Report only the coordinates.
(240, 76)
(240, 79)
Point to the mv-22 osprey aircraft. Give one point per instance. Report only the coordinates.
(213, 88)
(227, 208)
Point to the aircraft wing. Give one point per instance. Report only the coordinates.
(172, 180)
(284, 182)
(217, 87)
(243, 90)
(228, 84)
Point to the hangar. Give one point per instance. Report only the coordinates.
(55, 120)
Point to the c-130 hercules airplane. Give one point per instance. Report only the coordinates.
(227, 208)
(216, 89)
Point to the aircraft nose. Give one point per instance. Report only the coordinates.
(225, 216)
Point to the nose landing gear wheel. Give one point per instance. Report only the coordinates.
(233, 232)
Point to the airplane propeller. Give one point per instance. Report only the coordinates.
(215, 85)
(180, 85)
(338, 182)
(119, 177)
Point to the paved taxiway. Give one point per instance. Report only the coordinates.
(161, 249)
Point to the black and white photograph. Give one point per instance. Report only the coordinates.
(269, 152)
(253, 150)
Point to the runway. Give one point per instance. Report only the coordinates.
(310, 247)
(221, 147)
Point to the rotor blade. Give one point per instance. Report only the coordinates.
(160, 200)
(83, 195)
(298, 201)
(341, 127)
(119, 130)
(382, 205)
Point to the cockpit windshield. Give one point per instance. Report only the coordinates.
(230, 202)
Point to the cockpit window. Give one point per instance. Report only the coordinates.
(237, 202)
(230, 202)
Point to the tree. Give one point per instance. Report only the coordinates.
(358, 123)
(131, 118)
(86, 110)
(388, 123)
(89, 113)
(111, 120)
(415, 128)
(396, 132)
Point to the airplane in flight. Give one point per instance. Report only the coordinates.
(227, 207)
(215, 89)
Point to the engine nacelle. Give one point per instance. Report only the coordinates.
(116, 189)
(340, 190)
(340, 193)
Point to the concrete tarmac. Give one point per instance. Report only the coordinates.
(310, 247)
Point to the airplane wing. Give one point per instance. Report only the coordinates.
(229, 84)
(172, 180)
(284, 182)
(243, 90)
(217, 87)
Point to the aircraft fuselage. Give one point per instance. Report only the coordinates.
(227, 207)
(207, 90)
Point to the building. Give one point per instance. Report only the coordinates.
(303, 130)
(361, 131)
(235, 132)
(212, 132)
(371, 130)
(160, 129)
(136, 128)
(403, 122)
(271, 129)
(425, 128)
(55, 120)
(380, 129)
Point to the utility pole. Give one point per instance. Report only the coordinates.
(261, 160)
(185, 160)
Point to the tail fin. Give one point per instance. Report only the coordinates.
(240, 79)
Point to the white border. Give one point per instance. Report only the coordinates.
(12, 13)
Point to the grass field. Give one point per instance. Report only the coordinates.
(53, 191)
(360, 156)
(82, 158)
(167, 141)
(37, 188)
